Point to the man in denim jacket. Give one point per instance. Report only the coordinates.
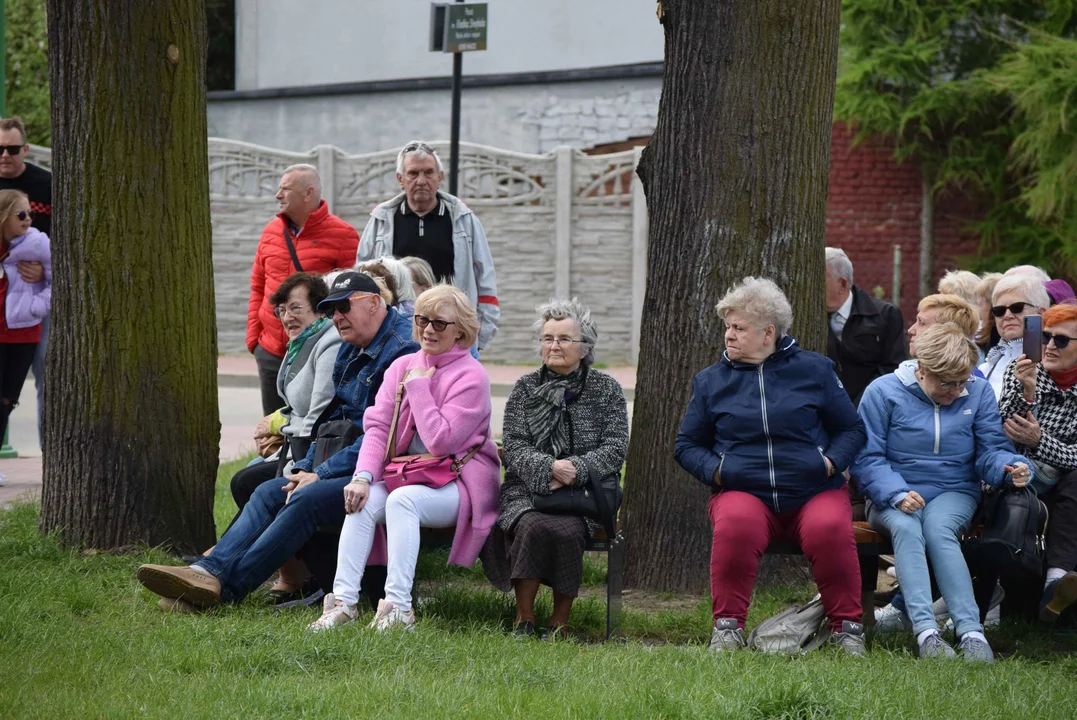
(283, 514)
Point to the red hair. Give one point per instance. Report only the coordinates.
(1060, 313)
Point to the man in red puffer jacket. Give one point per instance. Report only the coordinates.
(320, 242)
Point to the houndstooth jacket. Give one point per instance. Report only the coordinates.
(1056, 412)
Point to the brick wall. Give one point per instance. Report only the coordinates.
(874, 203)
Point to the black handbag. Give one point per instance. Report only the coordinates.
(595, 497)
(1014, 530)
(331, 436)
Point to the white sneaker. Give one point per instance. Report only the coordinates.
(2, 483)
(334, 614)
(889, 619)
(390, 616)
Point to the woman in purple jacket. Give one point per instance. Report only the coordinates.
(23, 304)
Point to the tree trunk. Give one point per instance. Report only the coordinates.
(131, 419)
(926, 284)
(736, 180)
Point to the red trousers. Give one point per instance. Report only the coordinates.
(744, 526)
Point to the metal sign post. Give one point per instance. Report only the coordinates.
(457, 28)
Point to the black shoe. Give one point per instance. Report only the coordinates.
(553, 633)
(303, 597)
(524, 630)
(192, 559)
(1057, 596)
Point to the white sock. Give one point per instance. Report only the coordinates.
(1054, 574)
(975, 635)
(924, 635)
(198, 568)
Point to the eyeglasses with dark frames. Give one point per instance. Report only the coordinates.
(1061, 341)
(439, 325)
(1017, 308)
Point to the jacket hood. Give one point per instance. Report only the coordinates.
(456, 206)
(906, 373)
(787, 347)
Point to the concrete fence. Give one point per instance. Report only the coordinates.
(560, 224)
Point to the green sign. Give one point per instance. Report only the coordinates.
(465, 27)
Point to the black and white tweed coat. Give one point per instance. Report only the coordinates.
(1056, 412)
(598, 433)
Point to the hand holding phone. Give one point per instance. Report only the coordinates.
(1032, 346)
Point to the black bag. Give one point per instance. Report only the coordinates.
(596, 497)
(1014, 526)
(332, 437)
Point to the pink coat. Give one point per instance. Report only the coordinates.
(451, 411)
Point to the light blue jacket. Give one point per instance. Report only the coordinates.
(914, 444)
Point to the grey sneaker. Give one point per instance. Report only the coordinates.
(975, 649)
(934, 646)
(726, 636)
(850, 639)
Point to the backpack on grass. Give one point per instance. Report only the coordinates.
(790, 632)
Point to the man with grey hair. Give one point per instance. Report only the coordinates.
(425, 222)
(303, 237)
(865, 336)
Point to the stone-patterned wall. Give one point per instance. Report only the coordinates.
(585, 122)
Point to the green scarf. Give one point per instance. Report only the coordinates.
(294, 346)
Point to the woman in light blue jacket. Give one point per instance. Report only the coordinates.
(934, 434)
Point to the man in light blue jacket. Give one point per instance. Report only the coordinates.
(933, 435)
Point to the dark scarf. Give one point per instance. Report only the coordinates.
(546, 409)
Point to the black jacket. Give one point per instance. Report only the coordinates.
(872, 343)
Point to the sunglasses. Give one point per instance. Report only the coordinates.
(12, 150)
(342, 306)
(413, 146)
(1061, 341)
(1017, 308)
(439, 325)
(23, 214)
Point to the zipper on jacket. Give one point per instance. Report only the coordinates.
(936, 427)
(770, 445)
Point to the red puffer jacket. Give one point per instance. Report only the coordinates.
(325, 243)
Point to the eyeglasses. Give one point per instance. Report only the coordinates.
(954, 384)
(416, 145)
(439, 325)
(1017, 308)
(550, 341)
(12, 150)
(294, 310)
(1061, 341)
(23, 214)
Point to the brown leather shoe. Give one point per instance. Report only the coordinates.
(197, 588)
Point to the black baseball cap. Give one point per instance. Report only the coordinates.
(348, 283)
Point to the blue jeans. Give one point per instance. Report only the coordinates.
(932, 532)
(39, 377)
(268, 532)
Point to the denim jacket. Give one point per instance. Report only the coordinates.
(357, 376)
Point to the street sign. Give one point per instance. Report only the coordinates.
(457, 27)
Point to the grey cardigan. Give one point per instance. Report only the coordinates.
(598, 429)
(307, 384)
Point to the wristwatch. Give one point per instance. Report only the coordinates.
(363, 476)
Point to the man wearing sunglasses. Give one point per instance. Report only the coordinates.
(36, 182)
(282, 516)
(425, 222)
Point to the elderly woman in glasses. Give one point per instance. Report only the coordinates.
(1039, 404)
(563, 422)
(435, 402)
(770, 430)
(1014, 298)
(934, 435)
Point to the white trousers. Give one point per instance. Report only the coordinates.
(402, 512)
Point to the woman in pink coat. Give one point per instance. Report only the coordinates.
(445, 411)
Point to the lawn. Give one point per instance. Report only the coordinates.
(80, 638)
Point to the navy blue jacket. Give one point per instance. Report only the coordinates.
(765, 428)
(357, 375)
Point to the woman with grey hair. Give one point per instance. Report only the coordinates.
(770, 431)
(563, 422)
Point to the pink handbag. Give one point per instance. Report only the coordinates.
(426, 469)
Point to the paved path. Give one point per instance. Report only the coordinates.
(240, 409)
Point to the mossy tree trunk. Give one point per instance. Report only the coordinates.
(131, 419)
(736, 180)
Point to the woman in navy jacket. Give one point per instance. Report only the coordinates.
(770, 430)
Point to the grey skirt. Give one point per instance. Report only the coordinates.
(541, 545)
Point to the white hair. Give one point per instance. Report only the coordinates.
(761, 301)
(1036, 272)
(580, 314)
(839, 264)
(1028, 287)
(419, 149)
(961, 283)
(400, 272)
(310, 175)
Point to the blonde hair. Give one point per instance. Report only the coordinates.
(944, 351)
(383, 288)
(447, 297)
(961, 283)
(8, 198)
(953, 309)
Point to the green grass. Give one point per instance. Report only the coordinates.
(80, 638)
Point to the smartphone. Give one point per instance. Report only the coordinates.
(1033, 341)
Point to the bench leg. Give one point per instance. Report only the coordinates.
(869, 578)
(614, 585)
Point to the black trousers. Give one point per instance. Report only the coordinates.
(1061, 502)
(247, 480)
(268, 367)
(15, 362)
